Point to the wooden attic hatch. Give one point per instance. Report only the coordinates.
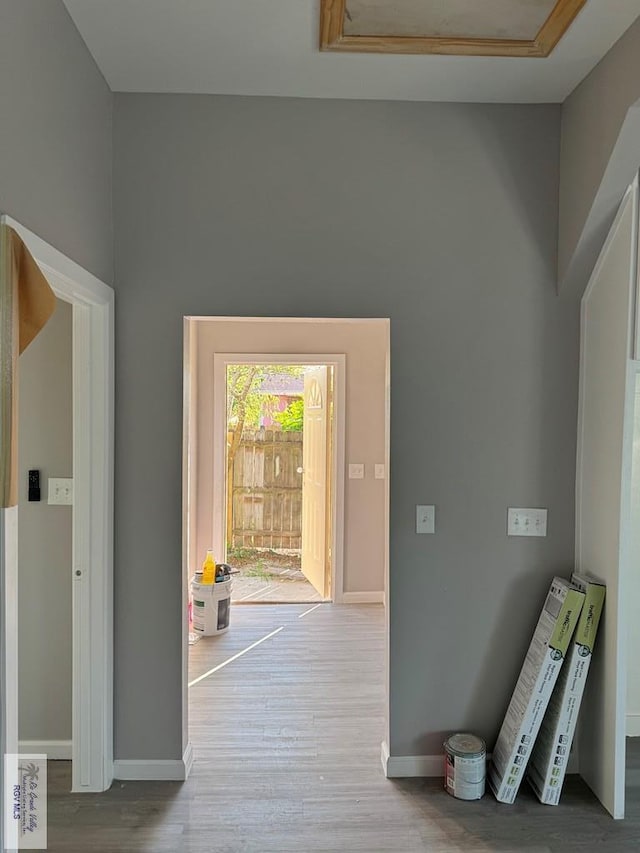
(529, 28)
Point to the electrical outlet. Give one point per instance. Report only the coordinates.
(60, 491)
(526, 522)
(379, 471)
(356, 471)
(425, 519)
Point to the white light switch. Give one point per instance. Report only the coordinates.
(379, 472)
(60, 491)
(425, 519)
(526, 522)
(356, 471)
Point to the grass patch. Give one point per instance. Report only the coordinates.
(258, 570)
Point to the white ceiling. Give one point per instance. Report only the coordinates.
(269, 47)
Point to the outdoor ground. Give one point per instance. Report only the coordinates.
(271, 576)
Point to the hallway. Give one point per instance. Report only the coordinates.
(286, 740)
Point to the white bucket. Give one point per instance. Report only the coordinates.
(211, 607)
(465, 766)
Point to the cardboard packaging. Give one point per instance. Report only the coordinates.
(550, 756)
(534, 687)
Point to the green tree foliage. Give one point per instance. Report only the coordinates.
(245, 403)
(291, 419)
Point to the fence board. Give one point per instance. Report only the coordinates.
(267, 490)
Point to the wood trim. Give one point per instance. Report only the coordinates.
(290, 320)
(167, 770)
(332, 14)
(143, 770)
(187, 759)
(93, 415)
(413, 766)
(55, 750)
(606, 776)
(420, 45)
(332, 37)
(375, 597)
(556, 25)
(81, 597)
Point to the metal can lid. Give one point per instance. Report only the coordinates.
(465, 745)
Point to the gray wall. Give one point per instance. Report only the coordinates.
(592, 118)
(45, 428)
(441, 217)
(55, 143)
(55, 133)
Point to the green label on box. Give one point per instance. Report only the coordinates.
(567, 620)
(590, 617)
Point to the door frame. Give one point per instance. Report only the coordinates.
(336, 448)
(92, 564)
(616, 615)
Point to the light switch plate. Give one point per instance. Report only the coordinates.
(379, 471)
(356, 471)
(425, 519)
(60, 491)
(526, 522)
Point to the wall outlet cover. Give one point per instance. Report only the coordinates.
(356, 471)
(60, 491)
(425, 518)
(523, 521)
(379, 471)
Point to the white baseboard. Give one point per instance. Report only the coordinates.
(426, 766)
(633, 725)
(384, 755)
(187, 760)
(363, 598)
(405, 766)
(148, 770)
(55, 750)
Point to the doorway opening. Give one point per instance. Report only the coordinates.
(91, 572)
(279, 441)
(606, 544)
(344, 363)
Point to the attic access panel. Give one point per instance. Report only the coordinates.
(464, 27)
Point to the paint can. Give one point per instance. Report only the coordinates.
(465, 766)
(211, 607)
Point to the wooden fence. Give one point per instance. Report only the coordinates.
(266, 494)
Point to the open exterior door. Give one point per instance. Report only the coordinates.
(314, 478)
(603, 495)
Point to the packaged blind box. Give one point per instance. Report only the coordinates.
(530, 698)
(551, 753)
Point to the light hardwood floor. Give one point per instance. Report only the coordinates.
(287, 758)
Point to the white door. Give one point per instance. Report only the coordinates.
(603, 492)
(314, 478)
